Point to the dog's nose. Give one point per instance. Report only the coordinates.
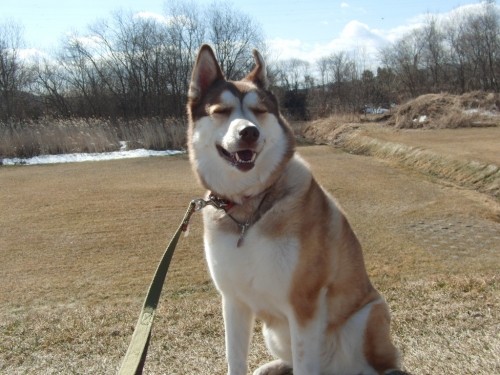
(249, 134)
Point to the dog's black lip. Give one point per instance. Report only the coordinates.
(232, 158)
(223, 152)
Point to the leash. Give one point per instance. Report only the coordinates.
(134, 360)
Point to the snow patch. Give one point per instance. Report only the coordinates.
(421, 119)
(476, 111)
(123, 145)
(82, 157)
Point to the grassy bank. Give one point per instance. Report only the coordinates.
(467, 157)
(472, 174)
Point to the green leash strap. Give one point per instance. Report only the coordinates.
(133, 363)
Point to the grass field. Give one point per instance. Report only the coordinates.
(79, 244)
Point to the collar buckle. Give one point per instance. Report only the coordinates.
(219, 203)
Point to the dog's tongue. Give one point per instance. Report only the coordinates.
(245, 155)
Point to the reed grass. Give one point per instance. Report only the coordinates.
(49, 136)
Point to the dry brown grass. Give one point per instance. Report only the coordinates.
(49, 136)
(79, 244)
(481, 173)
(448, 111)
(329, 130)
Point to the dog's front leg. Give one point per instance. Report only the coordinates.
(306, 344)
(238, 322)
(307, 334)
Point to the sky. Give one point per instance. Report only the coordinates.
(305, 29)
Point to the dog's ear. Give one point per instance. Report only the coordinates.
(206, 71)
(259, 74)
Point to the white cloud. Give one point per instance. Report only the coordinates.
(355, 30)
(165, 20)
(32, 54)
(283, 49)
(354, 37)
(153, 16)
(357, 36)
(87, 41)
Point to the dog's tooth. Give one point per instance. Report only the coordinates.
(238, 160)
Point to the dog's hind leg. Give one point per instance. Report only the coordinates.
(277, 367)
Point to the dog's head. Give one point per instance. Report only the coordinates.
(238, 141)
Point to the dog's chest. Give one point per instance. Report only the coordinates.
(259, 271)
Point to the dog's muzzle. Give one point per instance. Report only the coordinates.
(244, 160)
(244, 157)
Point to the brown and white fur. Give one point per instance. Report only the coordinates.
(281, 250)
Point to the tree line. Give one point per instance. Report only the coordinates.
(131, 66)
(128, 66)
(456, 55)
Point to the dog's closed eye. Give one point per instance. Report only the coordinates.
(259, 110)
(220, 110)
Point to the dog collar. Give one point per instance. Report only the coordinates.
(220, 203)
(226, 205)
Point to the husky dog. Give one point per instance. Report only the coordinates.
(278, 247)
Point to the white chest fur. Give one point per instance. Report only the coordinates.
(258, 272)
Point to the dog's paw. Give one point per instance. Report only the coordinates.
(277, 367)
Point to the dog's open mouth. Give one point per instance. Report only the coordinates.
(244, 160)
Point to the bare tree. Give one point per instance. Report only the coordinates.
(186, 32)
(339, 65)
(50, 85)
(292, 73)
(344, 90)
(134, 66)
(434, 53)
(405, 59)
(234, 35)
(458, 61)
(129, 56)
(82, 77)
(482, 39)
(461, 55)
(14, 74)
(322, 66)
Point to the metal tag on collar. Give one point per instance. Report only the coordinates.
(243, 230)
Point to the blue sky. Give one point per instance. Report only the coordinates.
(306, 29)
